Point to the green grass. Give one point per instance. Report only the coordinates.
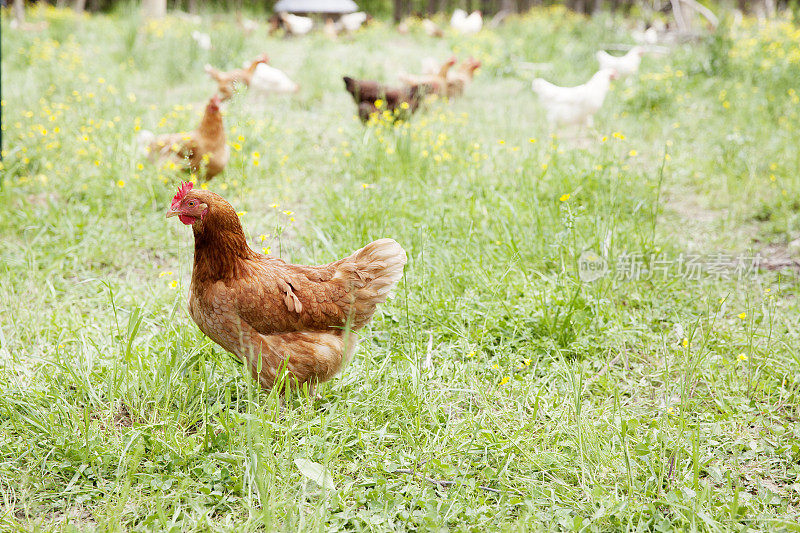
(549, 403)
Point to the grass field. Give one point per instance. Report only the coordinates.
(662, 396)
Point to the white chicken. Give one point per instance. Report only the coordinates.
(297, 25)
(467, 24)
(203, 39)
(624, 65)
(431, 28)
(269, 80)
(574, 105)
(351, 22)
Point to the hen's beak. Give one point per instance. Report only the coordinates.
(172, 213)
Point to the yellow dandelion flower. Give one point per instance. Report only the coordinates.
(742, 315)
(378, 103)
(241, 213)
(204, 186)
(505, 380)
(633, 153)
(471, 354)
(501, 141)
(564, 198)
(165, 273)
(121, 183)
(266, 250)
(404, 105)
(685, 342)
(604, 139)
(532, 140)
(262, 237)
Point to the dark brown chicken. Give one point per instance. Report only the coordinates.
(294, 320)
(405, 100)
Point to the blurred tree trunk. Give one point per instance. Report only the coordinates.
(431, 7)
(19, 11)
(80, 6)
(193, 7)
(154, 9)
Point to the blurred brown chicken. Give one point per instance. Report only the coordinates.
(227, 81)
(438, 82)
(281, 318)
(203, 151)
(402, 100)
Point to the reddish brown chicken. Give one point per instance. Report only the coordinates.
(293, 319)
(204, 151)
(227, 81)
(458, 79)
(438, 83)
(367, 92)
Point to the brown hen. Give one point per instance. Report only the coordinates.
(227, 81)
(293, 320)
(203, 151)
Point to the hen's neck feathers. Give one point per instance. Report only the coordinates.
(211, 124)
(220, 247)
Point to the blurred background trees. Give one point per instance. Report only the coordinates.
(399, 9)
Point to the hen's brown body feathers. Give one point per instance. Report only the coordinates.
(279, 316)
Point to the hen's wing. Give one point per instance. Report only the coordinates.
(279, 297)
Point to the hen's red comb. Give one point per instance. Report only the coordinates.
(185, 187)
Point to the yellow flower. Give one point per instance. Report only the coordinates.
(266, 250)
(471, 354)
(173, 284)
(532, 140)
(726, 104)
(165, 273)
(495, 366)
(204, 186)
(685, 342)
(564, 198)
(288, 213)
(504, 380)
(121, 183)
(241, 213)
(633, 153)
(501, 141)
(618, 135)
(742, 357)
(404, 105)
(742, 315)
(378, 103)
(262, 237)
(767, 290)
(526, 362)
(604, 139)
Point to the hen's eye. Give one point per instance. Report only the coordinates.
(191, 203)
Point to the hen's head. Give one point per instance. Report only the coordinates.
(213, 103)
(190, 205)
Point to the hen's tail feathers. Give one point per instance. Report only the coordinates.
(211, 71)
(374, 271)
(144, 140)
